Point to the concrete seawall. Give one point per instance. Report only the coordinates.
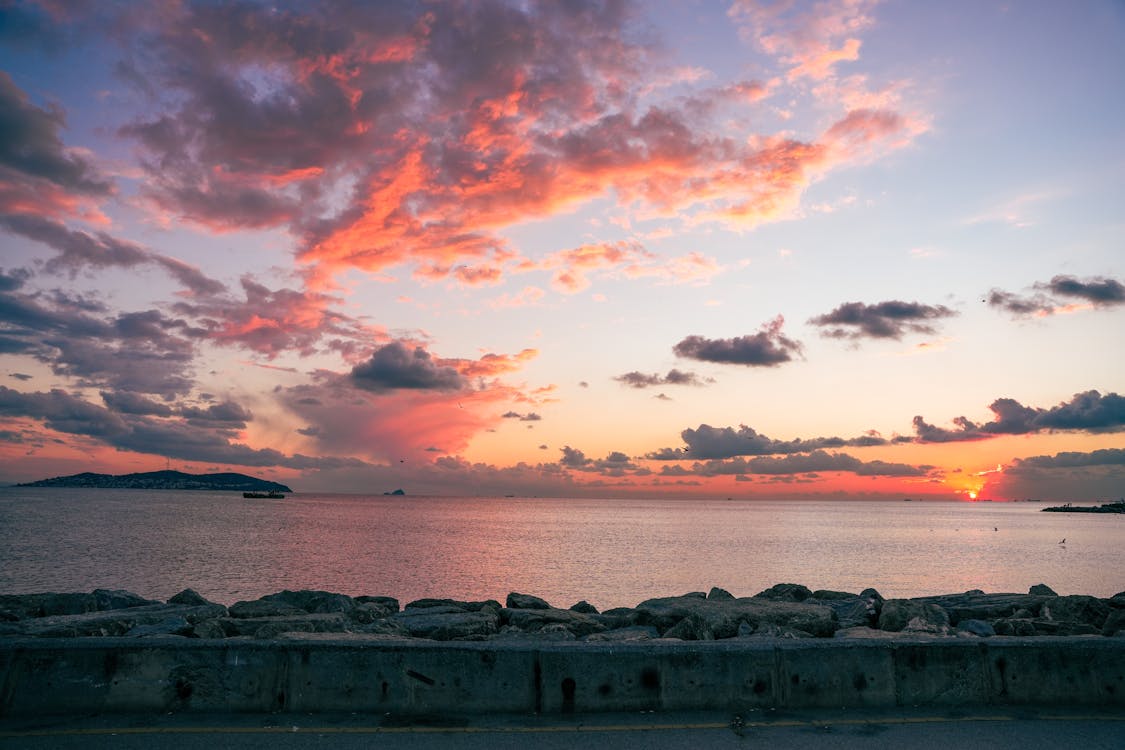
(61, 676)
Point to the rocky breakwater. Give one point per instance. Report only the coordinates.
(782, 611)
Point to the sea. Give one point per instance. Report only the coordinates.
(608, 552)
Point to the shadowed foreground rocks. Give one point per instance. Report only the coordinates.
(782, 611)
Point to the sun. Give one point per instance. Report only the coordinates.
(972, 495)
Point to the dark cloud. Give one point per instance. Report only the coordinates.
(126, 402)
(1019, 306)
(1051, 296)
(767, 348)
(1071, 459)
(20, 376)
(395, 367)
(1088, 412)
(637, 379)
(140, 352)
(806, 463)
(573, 458)
(173, 438)
(30, 147)
(529, 417)
(227, 414)
(707, 442)
(885, 320)
(1098, 290)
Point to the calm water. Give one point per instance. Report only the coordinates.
(609, 552)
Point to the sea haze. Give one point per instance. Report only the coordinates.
(609, 552)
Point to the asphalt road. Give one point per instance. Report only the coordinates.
(1022, 729)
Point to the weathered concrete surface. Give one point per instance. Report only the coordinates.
(67, 676)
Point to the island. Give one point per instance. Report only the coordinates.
(1106, 508)
(164, 480)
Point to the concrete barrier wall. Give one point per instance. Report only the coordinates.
(39, 676)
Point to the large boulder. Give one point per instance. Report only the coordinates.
(913, 616)
(301, 621)
(631, 633)
(259, 608)
(314, 602)
(525, 601)
(109, 599)
(785, 592)
(534, 620)
(24, 606)
(1086, 610)
(447, 626)
(1041, 589)
(694, 627)
(116, 622)
(975, 605)
(387, 602)
(489, 605)
(724, 617)
(584, 607)
(1114, 623)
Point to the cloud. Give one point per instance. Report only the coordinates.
(31, 150)
(707, 442)
(101, 250)
(884, 320)
(382, 135)
(396, 367)
(1071, 459)
(172, 438)
(767, 348)
(141, 351)
(637, 379)
(804, 36)
(1085, 412)
(529, 417)
(806, 463)
(1052, 297)
(270, 322)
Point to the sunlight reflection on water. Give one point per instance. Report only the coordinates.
(609, 552)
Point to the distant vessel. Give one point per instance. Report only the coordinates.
(266, 495)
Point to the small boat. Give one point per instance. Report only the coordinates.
(264, 495)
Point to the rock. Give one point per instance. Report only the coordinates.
(388, 602)
(972, 606)
(550, 633)
(490, 605)
(618, 617)
(366, 612)
(267, 627)
(388, 627)
(447, 626)
(1014, 626)
(175, 625)
(912, 615)
(1114, 622)
(525, 601)
(785, 592)
(259, 608)
(1041, 589)
(833, 595)
(745, 630)
(1077, 609)
(977, 627)
(24, 606)
(777, 631)
(189, 597)
(532, 620)
(854, 612)
(584, 607)
(631, 633)
(718, 594)
(1117, 600)
(723, 617)
(208, 629)
(691, 628)
(116, 622)
(109, 599)
(313, 601)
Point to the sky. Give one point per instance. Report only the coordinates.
(755, 249)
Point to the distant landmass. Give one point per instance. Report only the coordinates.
(164, 480)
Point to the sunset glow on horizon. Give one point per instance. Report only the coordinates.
(833, 249)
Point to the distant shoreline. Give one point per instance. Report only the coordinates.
(163, 480)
